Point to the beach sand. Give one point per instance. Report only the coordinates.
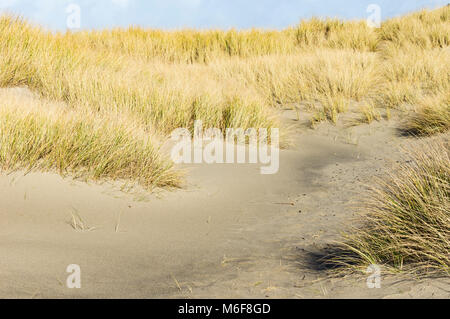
(230, 233)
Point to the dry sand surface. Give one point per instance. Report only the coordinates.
(231, 233)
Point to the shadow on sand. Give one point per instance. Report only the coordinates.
(330, 258)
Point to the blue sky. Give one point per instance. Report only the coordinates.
(172, 14)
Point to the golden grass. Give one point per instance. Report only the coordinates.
(407, 217)
(158, 81)
(40, 136)
(412, 74)
(108, 83)
(431, 117)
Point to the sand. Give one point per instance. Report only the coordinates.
(230, 233)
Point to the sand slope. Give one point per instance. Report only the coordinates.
(231, 233)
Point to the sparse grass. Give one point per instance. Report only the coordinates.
(370, 113)
(78, 223)
(407, 217)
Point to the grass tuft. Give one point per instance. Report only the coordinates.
(407, 217)
(432, 116)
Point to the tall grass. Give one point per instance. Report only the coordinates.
(38, 135)
(326, 61)
(424, 29)
(205, 46)
(107, 82)
(407, 216)
(162, 80)
(431, 117)
(413, 73)
(336, 34)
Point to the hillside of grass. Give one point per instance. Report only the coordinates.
(406, 217)
(150, 82)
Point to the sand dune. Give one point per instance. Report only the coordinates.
(230, 233)
(87, 181)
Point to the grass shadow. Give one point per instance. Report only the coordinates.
(332, 257)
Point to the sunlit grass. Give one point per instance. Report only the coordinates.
(36, 135)
(406, 217)
(432, 116)
(162, 80)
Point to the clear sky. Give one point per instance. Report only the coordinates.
(171, 14)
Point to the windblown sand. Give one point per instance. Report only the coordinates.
(231, 233)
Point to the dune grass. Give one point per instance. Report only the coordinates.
(431, 117)
(169, 79)
(162, 80)
(407, 217)
(37, 135)
(106, 82)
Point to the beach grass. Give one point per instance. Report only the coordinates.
(157, 81)
(405, 218)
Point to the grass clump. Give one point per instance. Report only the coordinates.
(336, 34)
(407, 217)
(48, 139)
(431, 117)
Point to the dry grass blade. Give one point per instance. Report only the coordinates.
(79, 224)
